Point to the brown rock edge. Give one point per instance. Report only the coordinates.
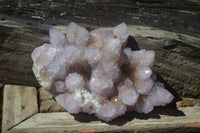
(47, 103)
(20, 114)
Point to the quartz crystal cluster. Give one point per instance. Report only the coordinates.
(95, 72)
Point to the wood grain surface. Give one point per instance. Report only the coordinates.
(64, 122)
(171, 28)
(177, 55)
(44, 115)
(47, 102)
(175, 15)
(20, 103)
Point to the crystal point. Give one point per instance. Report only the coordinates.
(96, 73)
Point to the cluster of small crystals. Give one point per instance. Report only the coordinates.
(94, 72)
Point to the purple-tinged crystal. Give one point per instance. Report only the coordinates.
(85, 72)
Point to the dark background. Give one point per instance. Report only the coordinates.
(174, 15)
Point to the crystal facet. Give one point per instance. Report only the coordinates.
(95, 72)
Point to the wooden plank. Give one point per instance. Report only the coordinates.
(174, 15)
(1, 103)
(183, 119)
(20, 103)
(146, 31)
(176, 54)
(185, 102)
(47, 103)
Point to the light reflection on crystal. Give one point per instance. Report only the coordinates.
(94, 72)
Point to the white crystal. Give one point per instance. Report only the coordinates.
(128, 94)
(69, 102)
(111, 110)
(144, 106)
(93, 55)
(144, 86)
(96, 73)
(142, 58)
(89, 103)
(60, 86)
(57, 37)
(159, 95)
(100, 83)
(77, 35)
(74, 81)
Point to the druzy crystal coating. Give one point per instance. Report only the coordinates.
(96, 73)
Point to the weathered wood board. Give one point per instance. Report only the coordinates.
(20, 103)
(177, 63)
(47, 103)
(20, 115)
(175, 15)
(177, 55)
(60, 122)
(1, 102)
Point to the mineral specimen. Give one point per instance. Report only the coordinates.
(95, 72)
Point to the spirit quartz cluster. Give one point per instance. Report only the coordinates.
(96, 73)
